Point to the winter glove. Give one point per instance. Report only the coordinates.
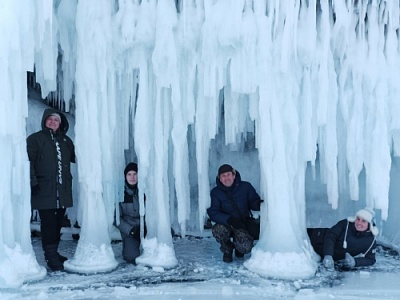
(35, 190)
(328, 262)
(348, 261)
(236, 223)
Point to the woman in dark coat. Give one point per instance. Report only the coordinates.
(351, 242)
(129, 217)
(50, 153)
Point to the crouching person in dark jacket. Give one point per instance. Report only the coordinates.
(50, 153)
(232, 201)
(129, 217)
(350, 243)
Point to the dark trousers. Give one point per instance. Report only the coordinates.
(130, 249)
(317, 238)
(50, 225)
(242, 240)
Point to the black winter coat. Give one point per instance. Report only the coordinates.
(44, 172)
(330, 241)
(222, 207)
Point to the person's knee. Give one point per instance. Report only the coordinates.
(244, 247)
(220, 231)
(129, 255)
(243, 241)
(130, 258)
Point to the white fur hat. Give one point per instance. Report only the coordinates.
(368, 215)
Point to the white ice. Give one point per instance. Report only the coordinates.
(201, 274)
(187, 85)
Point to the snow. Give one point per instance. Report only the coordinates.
(201, 274)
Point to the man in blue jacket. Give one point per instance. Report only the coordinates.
(232, 201)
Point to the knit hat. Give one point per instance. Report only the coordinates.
(368, 215)
(57, 116)
(225, 168)
(130, 167)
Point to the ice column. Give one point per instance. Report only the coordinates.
(17, 259)
(282, 250)
(96, 135)
(183, 102)
(377, 138)
(158, 75)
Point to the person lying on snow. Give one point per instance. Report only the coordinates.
(350, 243)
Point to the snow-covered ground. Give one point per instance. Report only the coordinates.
(201, 274)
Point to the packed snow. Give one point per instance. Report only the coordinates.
(200, 273)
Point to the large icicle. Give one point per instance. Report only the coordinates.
(282, 250)
(158, 247)
(17, 259)
(95, 122)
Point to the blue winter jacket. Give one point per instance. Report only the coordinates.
(222, 207)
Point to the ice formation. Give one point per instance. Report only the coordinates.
(300, 76)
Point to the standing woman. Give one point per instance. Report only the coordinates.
(129, 217)
(351, 242)
(50, 153)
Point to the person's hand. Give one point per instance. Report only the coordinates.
(236, 223)
(348, 261)
(328, 262)
(35, 190)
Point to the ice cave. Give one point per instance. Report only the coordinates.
(302, 97)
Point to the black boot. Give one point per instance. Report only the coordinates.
(239, 255)
(52, 258)
(62, 258)
(227, 257)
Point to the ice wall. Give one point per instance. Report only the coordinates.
(300, 75)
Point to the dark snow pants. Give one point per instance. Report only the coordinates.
(50, 225)
(317, 238)
(242, 240)
(130, 249)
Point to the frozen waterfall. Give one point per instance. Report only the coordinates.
(182, 85)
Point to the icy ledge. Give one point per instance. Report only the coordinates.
(288, 265)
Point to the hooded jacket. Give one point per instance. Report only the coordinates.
(222, 207)
(51, 180)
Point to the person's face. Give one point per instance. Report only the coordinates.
(131, 177)
(361, 224)
(227, 178)
(53, 123)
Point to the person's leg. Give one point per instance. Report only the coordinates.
(317, 237)
(223, 236)
(243, 242)
(130, 249)
(50, 232)
(60, 213)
